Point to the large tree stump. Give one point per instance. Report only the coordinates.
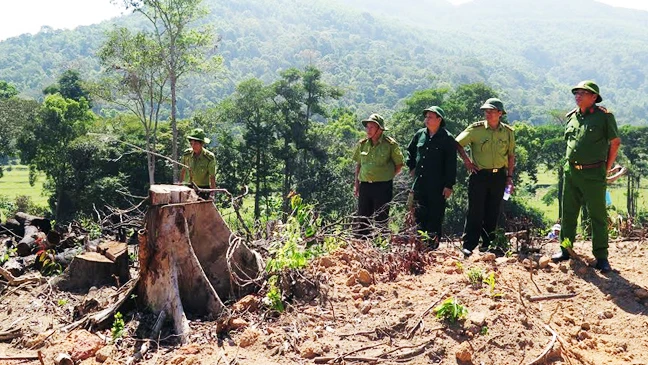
(183, 257)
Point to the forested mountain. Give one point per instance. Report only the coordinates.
(379, 52)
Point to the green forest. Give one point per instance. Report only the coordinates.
(281, 87)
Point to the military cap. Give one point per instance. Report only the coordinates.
(197, 134)
(376, 118)
(590, 86)
(493, 103)
(438, 111)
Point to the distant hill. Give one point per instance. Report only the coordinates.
(380, 51)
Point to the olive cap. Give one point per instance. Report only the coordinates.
(590, 86)
(376, 118)
(493, 103)
(197, 134)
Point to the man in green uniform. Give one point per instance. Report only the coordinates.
(432, 160)
(492, 145)
(592, 145)
(202, 163)
(378, 159)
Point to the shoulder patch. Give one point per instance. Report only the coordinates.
(571, 112)
(477, 124)
(363, 140)
(188, 151)
(209, 154)
(603, 109)
(509, 127)
(390, 140)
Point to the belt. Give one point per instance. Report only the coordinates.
(374, 182)
(492, 171)
(587, 166)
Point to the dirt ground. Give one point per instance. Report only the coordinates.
(371, 311)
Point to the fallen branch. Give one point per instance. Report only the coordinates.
(411, 332)
(552, 296)
(418, 350)
(326, 360)
(22, 357)
(550, 345)
(147, 344)
(13, 281)
(10, 334)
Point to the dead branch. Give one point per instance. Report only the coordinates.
(327, 359)
(552, 296)
(10, 334)
(419, 321)
(548, 348)
(533, 281)
(13, 281)
(139, 354)
(22, 357)
(418, 349)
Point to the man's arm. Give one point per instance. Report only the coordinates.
(470, 166)
(509, 172)
(356, 184)
(612, 152)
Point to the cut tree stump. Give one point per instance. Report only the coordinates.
(183, 257)
(107, 266)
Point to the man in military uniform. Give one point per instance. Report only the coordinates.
(202, 163)
(592, 145)
(432, 160)
(378, 159)
(492, 145)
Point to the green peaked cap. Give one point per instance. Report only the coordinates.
(198, 134)
(376, 118)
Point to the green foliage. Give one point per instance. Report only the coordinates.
(48, 265)
(483, 331)
(451, 310)
(7, 255)
(567, 244)
(61, 302)
(491, 282)
(475, 276)
(89, 225)
(500, 242)
(7, 90)
(273, 298)
(292, 247)
(117, 330)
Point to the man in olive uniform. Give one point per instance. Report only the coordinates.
(378, 159)
(592, 145)
(202, 163)
(492, 145)
(432, 160)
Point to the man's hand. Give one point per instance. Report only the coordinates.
(447, 192)
(471, 167)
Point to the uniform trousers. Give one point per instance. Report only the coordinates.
(373, 205)
(429, 212)
(586, 187)
(485, 192)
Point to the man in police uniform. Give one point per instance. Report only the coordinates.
(492, 145)
(592, 145)
(378, 159)
(432, 160)
(202, 163)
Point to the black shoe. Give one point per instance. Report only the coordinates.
(466, 252)
(563, 255)
(603, 265)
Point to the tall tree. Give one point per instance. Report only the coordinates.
(15, 114)
(45, 144)
(137, 81)
(183, 49)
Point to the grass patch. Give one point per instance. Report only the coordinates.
(15, 182)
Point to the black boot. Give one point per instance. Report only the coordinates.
(563, 255)
(603, 265)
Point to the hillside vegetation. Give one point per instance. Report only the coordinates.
(531, 52)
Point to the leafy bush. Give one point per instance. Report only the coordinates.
(451, 310)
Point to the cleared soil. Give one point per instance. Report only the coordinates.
(370, 308)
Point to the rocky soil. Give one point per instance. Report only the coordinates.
(372, 309)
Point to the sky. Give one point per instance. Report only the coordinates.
(28, 16)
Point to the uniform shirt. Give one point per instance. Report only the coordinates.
(588, 135)
(377, 163)
(202, 166)
(489, 148)
(434, 158)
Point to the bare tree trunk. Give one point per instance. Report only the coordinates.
(187, 263)
(174, 126)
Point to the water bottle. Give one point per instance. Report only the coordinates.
(507, 192)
